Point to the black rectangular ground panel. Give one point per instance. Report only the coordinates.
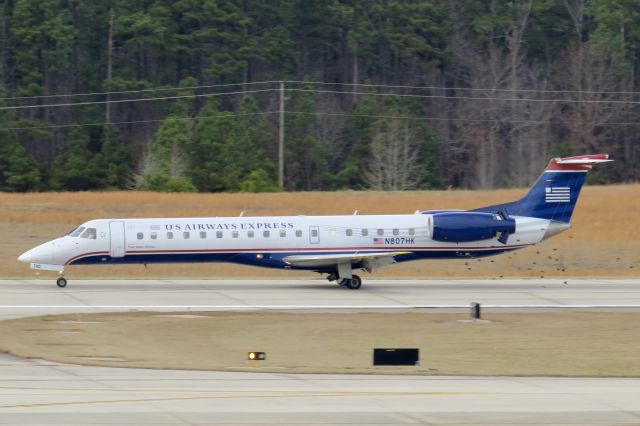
(396, 356)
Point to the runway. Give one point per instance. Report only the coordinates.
(46, 393)
(42, 392)
(36, 297)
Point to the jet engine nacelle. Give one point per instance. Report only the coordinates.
(462, 227)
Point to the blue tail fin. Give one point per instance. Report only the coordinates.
(556, 192)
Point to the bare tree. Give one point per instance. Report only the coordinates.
(502, 130)
(589, 72)
(394, 158)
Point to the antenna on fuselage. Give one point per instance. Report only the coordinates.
(242, 213)
(355, 212)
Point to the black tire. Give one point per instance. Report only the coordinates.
(61, 282)
(354, 283)
(343, 282)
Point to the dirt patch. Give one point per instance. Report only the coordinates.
(548, 344)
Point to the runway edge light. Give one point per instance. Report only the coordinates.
(256, 356)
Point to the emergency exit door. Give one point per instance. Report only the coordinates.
(116, 229)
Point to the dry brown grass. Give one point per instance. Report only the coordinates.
(557, 344)
(604, 241)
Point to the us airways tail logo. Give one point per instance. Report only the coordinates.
(557, 194)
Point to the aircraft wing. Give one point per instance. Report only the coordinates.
(370, 261)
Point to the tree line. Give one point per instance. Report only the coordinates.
(379, 94)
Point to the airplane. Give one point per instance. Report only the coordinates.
(332, 245)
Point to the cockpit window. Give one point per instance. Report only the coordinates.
(76, 232)
(89, 233)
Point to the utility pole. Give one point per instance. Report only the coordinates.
(281, 138)
(107, 114)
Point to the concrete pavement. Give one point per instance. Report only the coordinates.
(35, 297)
(48, 393)
(41, 392)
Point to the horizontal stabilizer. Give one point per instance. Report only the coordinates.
(578, 163)
(585, 159)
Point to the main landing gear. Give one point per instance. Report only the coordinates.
(353, 282)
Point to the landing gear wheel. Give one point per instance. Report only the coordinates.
(61, 282)
(354, 283)
(343, 282)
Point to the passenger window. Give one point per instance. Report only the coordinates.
(89, 233)
(412, 231)
(218, 234)
(140, 235)
(265, 234)
(250, 234)
(169, 235)
(365, 232)
(234, 234)
(283, 233)
(154, 235)
(203, 234)
(349, 232)
(185, 235)
(314, 232)
(396, 231)
(298, 233)
(380, 232)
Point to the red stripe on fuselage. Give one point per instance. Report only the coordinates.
(265, 250)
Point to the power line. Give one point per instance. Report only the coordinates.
(244, 92)
(400, 117)
(411, 95)
(158, 89)
(473, 120)
(323, 83)
(59, 126)
(203, 95)
(491, 89)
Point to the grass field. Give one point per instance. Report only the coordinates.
(595, 344)
(604, 240)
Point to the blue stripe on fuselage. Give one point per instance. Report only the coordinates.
(274, 260)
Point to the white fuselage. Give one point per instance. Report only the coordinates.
(265, 241)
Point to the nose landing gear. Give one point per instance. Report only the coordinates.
(61, 281)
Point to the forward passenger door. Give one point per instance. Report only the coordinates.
(116, 229)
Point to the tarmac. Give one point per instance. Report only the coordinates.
(21, 298)
(39, 392)
(42, 392)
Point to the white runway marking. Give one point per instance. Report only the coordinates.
(20, 298)
(311, 307)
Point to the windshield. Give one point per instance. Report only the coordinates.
(76, 232)
(90, 233)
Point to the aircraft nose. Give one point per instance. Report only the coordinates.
(41, 254)
(26, 257)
